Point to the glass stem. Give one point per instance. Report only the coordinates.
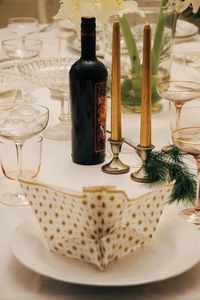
(23, 41)
(178, 113)
(197, 205)
(64, 116)
(19, 158)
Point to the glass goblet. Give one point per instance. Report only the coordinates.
(187, 139)
(22, 47)
(53, 73)
(22, 26)
(177, 92)
(19, 124)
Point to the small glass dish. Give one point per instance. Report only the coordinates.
(22, 48)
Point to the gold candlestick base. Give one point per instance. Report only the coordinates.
(141, 174)
(115, 166)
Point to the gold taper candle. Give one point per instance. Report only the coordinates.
(145, 126)
(116, 85)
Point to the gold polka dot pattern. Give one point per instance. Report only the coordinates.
(99, 225)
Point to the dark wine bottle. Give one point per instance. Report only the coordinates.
(88, 83)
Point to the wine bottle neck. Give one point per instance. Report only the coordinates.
(88, 45)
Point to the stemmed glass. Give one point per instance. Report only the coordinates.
(21, 47)
(53, 73)
(187, 139)
(177, 92)
(19, 124)
(23, 26)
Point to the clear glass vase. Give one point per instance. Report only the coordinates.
(163, 23)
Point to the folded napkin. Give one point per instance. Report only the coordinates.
(99, 225)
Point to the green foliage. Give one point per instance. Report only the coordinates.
(168, 166)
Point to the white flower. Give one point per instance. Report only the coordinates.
(109, 8)
(73, 10)
(101, 9)
(182, 5)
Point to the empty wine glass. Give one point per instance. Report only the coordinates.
(22, 26)
(53, 73)
(187, 139)
(22, 47)
(177, 92)
(19, 124)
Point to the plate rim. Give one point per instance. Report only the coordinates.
(196, 30)
(139, 281)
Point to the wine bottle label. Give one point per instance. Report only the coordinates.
(100, 116)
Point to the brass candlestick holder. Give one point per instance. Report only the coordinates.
(115, 166)
(141, 175)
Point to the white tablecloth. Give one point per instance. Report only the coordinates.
(18, 282)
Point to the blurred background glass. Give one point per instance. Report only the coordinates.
(44, 10)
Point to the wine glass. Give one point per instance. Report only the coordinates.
(23, 25)
(187, 139)
(22, 47)
(53, 73)
(177, 92)
(19, 124)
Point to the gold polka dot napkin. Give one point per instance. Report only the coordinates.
(99, 225)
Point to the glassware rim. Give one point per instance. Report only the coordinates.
(45, 108)
(11, 41)
(32, 141)
(181, 139)
(22, 65)
(18, 19)
(162, 83)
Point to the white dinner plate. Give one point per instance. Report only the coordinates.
(185, 29)
(174, 250)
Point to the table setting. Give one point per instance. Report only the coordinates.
(121, 221)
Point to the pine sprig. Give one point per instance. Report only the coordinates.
(156, 167)
(169, 166)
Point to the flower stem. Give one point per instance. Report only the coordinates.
(131, 45)
(158, 36)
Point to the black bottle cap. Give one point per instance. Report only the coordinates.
(88, 24)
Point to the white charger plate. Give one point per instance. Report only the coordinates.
(174, 250)
(185, 29)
